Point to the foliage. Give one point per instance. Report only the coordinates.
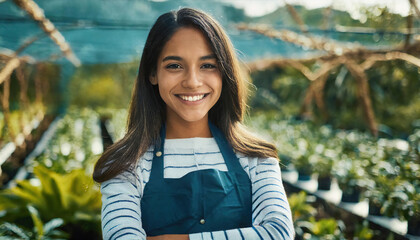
(405, 200)
(40, 230)
(363, 232)
(393, 90)
(387, 170)
(326, 228)
(103, 85)
(300, 209)
(350, 175)
(76, 144)
(72, 197)
(307, 226)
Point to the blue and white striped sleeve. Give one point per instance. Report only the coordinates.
(121, 216)
(271, 215)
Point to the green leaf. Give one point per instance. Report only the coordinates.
(37, 221)
(50, 226)
(16, 230)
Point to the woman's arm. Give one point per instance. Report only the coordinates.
(271, 216)
(121, 216)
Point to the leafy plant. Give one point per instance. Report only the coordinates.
(76, 144)
(327, 228)
(350, 175)
(72, 197)
(40, 230)
(325, 163)
(301, 210)
(403, 200)
(305, 224)
(363, 232)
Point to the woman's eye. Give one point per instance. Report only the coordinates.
(173, 66)
(208, 66)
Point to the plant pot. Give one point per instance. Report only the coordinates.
(413, 226)
(304, 175)
(324, 183)
(351, 197)
(374, 209)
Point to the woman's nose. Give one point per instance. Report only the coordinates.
(192, 80)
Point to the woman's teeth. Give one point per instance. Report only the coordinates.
(192, 98)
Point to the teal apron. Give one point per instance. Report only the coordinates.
(201, 201)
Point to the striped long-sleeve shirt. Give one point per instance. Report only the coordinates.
(121, 196)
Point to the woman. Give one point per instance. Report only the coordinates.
(187, 168)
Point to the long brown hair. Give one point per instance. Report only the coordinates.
(147, 110)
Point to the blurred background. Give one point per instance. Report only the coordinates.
(335, 85)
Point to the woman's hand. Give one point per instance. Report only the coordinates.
(170, 237)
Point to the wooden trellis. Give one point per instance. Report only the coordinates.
(14, 63)
(354, 57)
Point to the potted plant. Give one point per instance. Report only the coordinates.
(412, 213)
(305, 159)
(404, 202)
(304, 168)
(324, 167)
(380, 184)
(350, 177)
(378, 192)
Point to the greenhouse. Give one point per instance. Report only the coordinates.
(333, 86)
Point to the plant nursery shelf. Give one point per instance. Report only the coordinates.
(332, 200)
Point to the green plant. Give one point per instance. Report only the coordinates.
(350, 175)
(379, 190)
(72, 197)
(363, 232)
(403, 200)
(76, 144)
(325, 163)
(307, 156)
(301, 210)
(327, 228)
(40, 230)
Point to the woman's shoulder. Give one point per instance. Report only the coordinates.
(255, 164)
(257, 160)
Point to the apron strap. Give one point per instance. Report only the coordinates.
(231, 160)
(158, 153)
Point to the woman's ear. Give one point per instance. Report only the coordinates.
(153, 79)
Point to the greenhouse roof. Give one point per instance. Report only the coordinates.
(114, 31)
(107, 31)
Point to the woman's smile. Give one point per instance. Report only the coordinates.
(192, 98)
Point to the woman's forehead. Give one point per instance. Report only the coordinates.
(187, 42)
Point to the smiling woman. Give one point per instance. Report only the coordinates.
(187, 168)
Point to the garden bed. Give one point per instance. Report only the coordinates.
(350, 213)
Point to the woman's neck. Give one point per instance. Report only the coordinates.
(183, 129)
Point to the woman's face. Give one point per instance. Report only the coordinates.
(188, 77)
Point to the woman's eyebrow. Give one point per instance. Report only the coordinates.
(210, 56)
(177, 58)
(167, 58)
